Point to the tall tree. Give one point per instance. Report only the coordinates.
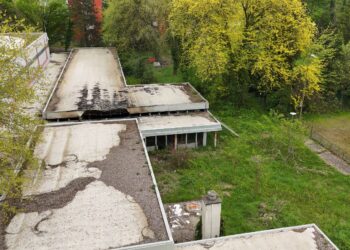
(51, 16)
(344, 19)
(228, 38)
(16, 125)
(128, 24)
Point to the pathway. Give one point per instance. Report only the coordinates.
(328, 157)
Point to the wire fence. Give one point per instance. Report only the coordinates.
(316, 136)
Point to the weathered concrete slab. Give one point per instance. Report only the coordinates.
(153, 98)
(196, 122)
(307, 237)
(94, 192)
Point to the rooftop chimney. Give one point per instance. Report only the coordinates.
(211, 215)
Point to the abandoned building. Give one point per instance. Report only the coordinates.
(93, 86)
(97, 190)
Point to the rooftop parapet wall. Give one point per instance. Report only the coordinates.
(34, 46)
(196, 122)
(90, 82)
(153, 98)
(305, 237)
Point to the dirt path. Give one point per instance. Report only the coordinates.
(328, 157)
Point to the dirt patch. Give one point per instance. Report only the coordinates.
(126, 169)
(56, 199)
(44, 202)
(183, 220)
(321, 242)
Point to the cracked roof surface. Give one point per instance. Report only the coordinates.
(95, 191)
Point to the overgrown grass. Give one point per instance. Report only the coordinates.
(267, 178)
(163, 74)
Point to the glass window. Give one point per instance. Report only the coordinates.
(161, 142)
(191, 138)
(151, 141)
(181, 139)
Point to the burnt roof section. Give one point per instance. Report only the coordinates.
(92, 85)
(103, 189)
(91, 81)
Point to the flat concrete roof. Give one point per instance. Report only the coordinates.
(91, 81)
(96, 191)
(152, 98)
(44, 86)
(306, 237)
(195, 122)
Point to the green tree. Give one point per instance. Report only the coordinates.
(50, 16)
(56, 21)
(307, 78)
(344, 19)
(255, 42)
(128, 25)
(16, 126)
(344, 79)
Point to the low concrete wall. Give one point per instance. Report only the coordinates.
(165, 245)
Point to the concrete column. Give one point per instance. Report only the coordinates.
(196, 140)
(205, 139)
(175, 142)
(211, 215)
(215, 138)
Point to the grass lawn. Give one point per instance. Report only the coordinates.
(161, 75)
(267, 177)
(335, 129)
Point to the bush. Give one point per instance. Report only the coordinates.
(148, 75)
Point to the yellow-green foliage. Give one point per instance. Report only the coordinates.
(263, 36)
(306, 76)
(16, 126)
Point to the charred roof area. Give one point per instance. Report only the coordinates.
(92, 86)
